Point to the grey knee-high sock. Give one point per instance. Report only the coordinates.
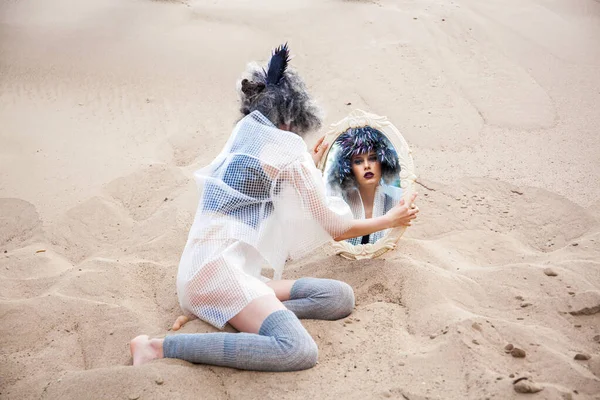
(320, 299)
(282, 344)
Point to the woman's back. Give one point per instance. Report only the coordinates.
(264, 190)
(244, 191)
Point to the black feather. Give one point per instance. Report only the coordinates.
(278, 64)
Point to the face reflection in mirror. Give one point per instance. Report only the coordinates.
(366, 169)
(363, 169)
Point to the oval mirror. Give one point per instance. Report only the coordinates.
(369, 165)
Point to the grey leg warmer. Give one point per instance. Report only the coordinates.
(282, 344)
(320, 299)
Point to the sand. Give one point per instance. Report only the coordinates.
(107, 108)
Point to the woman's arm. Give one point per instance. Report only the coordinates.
(313, 199)
(399, 215)
(361, 227)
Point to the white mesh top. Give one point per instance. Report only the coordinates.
(262, 200)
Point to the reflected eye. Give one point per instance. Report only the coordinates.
(357, 161)
(373, 158)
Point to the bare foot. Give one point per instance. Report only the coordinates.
(179, 322)
(143, 349)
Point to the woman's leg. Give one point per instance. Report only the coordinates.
(312, 298)
(308, 298)
(271, 339)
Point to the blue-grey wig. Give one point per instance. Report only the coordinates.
(279, 94)
(363, 140)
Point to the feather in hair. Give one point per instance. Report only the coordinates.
(278, 64)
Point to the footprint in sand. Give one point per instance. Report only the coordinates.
(142, 284)
(378, 292)
(526, 385)
(586, 303)
(19, 222)
(134, 212)
(146, 190)
(63, 335)
(198, 144)
(95, 224)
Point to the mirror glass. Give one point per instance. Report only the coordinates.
(369, 166)
(362, 168)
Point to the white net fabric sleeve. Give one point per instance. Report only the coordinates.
(311, 217)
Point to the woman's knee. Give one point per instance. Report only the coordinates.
(302, 353)
(330, 299)
(340, 298)
(347, 299)
(296, 349)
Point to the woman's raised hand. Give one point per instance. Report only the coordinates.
(403, 214)
(318, 150)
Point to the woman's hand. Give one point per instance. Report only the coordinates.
(318, 150)
(402, 214)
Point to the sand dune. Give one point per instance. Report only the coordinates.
(107, 108)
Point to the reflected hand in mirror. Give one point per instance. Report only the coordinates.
(402, 214)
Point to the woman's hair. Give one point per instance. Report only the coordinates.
(279, 94)
(357, 141)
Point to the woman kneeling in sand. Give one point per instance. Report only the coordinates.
(262, 201)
